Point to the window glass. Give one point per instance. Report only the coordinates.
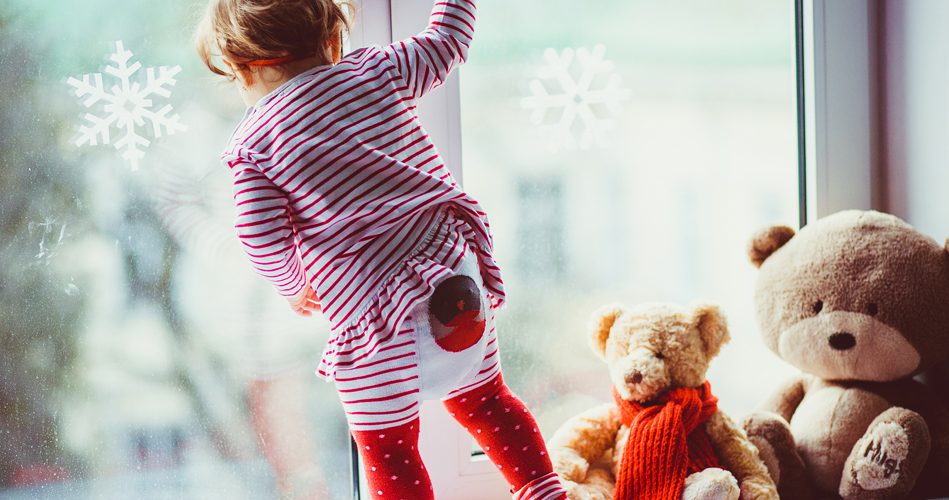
(625, 151)
(141, 356)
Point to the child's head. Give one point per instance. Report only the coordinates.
(273, 31)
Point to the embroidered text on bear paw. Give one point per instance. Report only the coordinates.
(882, 454)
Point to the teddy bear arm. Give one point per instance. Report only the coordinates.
(738, 455)
(582, 440)
(787, 397)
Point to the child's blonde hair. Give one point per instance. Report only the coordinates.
(242, 31)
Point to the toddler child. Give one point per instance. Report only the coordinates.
(346, 207)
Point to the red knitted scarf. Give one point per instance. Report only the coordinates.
(665, 443)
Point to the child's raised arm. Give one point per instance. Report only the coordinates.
(425, 60)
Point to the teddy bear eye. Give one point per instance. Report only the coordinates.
(872, 309)
(660, 355)
(818, 306)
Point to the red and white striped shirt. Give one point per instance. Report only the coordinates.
(337, 184)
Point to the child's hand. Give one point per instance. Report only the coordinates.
(306, 302)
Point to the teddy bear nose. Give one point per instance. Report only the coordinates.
(634, 378)
(842, 341)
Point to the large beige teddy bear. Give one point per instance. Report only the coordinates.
(859, 301)
(664, 438)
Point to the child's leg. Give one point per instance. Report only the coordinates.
(381, 401)
(392, 463)
(507, 432)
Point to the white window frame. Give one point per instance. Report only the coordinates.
(445, 446)
(839, 44)
(379, 22)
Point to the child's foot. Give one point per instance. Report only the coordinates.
(711, 484)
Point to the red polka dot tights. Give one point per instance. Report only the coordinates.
(494, 416)
(392, 464)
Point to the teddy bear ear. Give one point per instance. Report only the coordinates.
(712, 326)
(601, 321)
(766, 241)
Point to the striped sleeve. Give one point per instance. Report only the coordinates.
(424, 61)
(264, 228)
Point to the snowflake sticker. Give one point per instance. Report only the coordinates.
(127, 105)
(579, 97)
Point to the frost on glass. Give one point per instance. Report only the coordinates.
(39, 314)
(48, 241)
(579, 92)
(127, 105)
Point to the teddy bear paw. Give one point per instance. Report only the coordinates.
(711, 484)
(568, 465)
(887, 459)
(752, 489)
(771, 435)
(884, 449)
(598, 485)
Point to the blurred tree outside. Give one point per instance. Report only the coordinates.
(41, 309)
(55, 214)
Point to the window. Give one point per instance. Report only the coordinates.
(140, 355)
(540, 231)
(624, 150)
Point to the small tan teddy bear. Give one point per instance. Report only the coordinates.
(664, 438)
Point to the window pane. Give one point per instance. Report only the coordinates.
(141, 356)
(625, 151)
